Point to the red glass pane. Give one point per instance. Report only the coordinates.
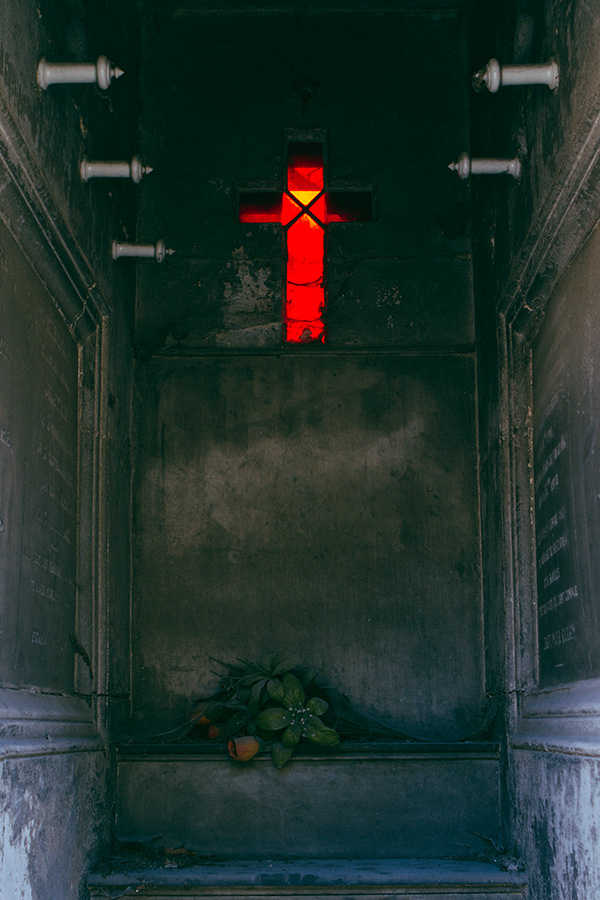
(305, 295)
(318, 208)
(305, 170)
(305, 332)
(304, 231)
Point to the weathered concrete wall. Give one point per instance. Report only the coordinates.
(51, 821)
(536, 337)
(320, 504)
(557, 819)
(64, 424)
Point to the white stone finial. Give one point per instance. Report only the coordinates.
(102, 73)
(134, 170)
(156, 251)
(493, 75)
(466, 166)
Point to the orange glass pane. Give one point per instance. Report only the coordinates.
(305, 294)
(289, 209)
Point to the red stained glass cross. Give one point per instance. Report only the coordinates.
(304, 209)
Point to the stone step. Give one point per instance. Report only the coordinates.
(375, 801)
(323, 879)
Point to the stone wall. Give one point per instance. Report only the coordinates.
(536, 281)
(64, 445)
(319, 505)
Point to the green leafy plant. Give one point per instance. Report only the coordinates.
(274, 705)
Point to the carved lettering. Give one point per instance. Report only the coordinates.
(552, 577)
(55, 464)
(554, 602)
(550, 486)
(44, 518)
(551, 459)
(44, 563)
(559, 637)
(56, 403)
(55, 336)
(551, 524)
(51, 428)
(54, 495)
(557, 545)
(43, 590)
(51, 361)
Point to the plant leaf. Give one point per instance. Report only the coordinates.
(274, 719)
(294, 692)
(285, 664)
(249, 680)
(235, 724)
(280, 754)
(254, 701)
(317, 706)
(291, 736)
(275, 689)
(317, 733)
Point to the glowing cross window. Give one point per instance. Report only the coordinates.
(304, 208)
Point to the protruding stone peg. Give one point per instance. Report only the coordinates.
(114, 169)
(465, 166)
(494, 76)
(102, 73)
(156, 251)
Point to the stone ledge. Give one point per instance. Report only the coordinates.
(346, 751)
(377, 878)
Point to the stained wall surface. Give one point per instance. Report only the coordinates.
(38, 478)
(319, 502)
(323, 505)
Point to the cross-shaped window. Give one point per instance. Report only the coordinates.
(304, 208)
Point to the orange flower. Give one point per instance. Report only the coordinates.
(243, 748)
(199, 715)
(214, 731)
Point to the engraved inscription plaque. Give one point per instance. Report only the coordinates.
(566, 413)
(38, 480)
(560, 610)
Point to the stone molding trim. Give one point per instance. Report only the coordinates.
(565, 218)
(563, 719)
(36, 724)
(31, 216)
